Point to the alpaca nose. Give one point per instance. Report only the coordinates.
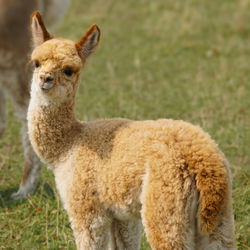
(46, 78)
(49, 79)
(46, 82)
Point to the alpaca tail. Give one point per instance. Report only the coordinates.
(212, 185)
(208, 166)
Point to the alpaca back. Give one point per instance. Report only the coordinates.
(138, 146)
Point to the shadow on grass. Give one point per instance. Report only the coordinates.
(6, 201)
(46, 191)
(43, 189)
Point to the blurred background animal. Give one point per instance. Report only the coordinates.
(15, 74)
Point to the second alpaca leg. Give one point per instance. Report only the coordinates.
(126, 234)
(19, 95)
(32, 167)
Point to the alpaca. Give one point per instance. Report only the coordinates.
(115, 175)
(14, 79)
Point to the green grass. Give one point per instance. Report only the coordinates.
(178, 59)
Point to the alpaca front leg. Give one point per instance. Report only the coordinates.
(2, 113)
(32, 167)
(126, 235)
(93, 235)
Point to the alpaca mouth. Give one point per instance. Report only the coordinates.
(47, 86)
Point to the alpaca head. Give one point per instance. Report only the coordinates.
(57, 61)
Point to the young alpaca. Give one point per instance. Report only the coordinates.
(112, 173)
(14, 76)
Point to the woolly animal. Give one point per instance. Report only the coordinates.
(14, 76)
(115, 175)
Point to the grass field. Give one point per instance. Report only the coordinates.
(177, 59)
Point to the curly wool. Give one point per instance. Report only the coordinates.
(112, 173)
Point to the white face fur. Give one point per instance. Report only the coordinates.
(48, 92)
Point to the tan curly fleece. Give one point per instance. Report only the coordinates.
(112, 173)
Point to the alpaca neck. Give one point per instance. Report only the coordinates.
(53, 129)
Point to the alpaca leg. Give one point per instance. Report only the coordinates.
(91, 234)
(165, 190)
(17, 88)
(32, 167)
(126, 235)
(2, 113)
(222, 237)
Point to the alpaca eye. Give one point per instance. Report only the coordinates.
(36, 64)
(68, 72)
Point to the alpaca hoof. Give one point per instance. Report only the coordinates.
(22, 193)
(18, 195)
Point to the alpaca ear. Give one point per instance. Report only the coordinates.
(38, 30)
(88, 43)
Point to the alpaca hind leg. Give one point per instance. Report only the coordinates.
(32, 167)
(2, 113)
(166, 187)
(222, 237)
(126, 235)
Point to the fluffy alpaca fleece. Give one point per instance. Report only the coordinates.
(112, 174)
(14, 76)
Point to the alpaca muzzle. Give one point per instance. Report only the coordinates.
(46, 86)
(46, 83)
